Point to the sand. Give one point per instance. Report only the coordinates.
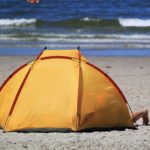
(133, 77)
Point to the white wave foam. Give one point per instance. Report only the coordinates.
(100, 37)
(134, 22)
(67, 42)
(89, 19)
(16, 22)
(85, 38)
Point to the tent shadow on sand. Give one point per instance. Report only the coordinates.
(60, 89)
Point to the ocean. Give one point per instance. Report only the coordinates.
(99, 27)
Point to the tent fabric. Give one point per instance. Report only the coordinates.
(61, 89)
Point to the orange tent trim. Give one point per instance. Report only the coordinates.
(5, 82)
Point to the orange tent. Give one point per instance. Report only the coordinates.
(61, 89)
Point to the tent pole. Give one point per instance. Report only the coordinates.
(19, 92)
(132, 114)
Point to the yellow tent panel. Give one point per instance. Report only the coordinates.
(61, 89)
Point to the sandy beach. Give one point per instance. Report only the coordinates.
(132, 74)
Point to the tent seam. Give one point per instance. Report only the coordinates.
(78, 100)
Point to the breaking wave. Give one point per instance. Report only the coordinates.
(84, 22)
(16, 22)
(135, 22)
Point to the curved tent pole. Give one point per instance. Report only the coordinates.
(10, 76)
(70, 58)
(136, 126)
(20, 89)
(115, 86)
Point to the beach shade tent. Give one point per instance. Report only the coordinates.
(60, 89)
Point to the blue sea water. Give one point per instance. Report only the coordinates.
(99, 27)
